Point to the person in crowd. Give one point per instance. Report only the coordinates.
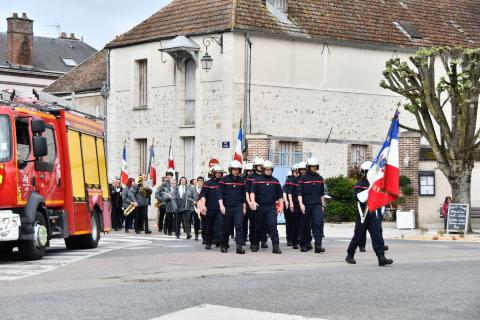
(257, 168)
(142, 195)
(168, 223)
(311, 201)
(295, 211)
(248, 219)
(116, 204)
(129, 198)
(232, 201)
(372, 224)
(160, 206)
(169, 197)
(185, 206)
(197, 190)
(444, 211)
(266, 193)
(288, 210)
(210, 207)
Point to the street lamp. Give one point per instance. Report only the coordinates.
(207, 59)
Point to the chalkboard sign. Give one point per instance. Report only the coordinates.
(457, 217)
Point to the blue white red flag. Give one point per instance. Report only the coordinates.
(124, 174)
(384, 175)
(152, 171)
(239, 148)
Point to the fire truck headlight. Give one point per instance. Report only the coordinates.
(6, 221)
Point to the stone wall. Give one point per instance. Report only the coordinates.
(409, 148)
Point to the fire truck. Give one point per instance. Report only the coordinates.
(53, 176)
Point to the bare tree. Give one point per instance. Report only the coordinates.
(454, 140)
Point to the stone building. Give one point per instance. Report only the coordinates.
(301, 76)
(31, 62)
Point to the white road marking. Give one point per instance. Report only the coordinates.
(213, 312)
(58, 256)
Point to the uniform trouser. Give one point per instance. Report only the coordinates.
(295, 214)
(211, 219)
(316, 212)
(266, 221)
(251, 223)
(233, 218)
(161, 217)
(129, 220)
(373, 226)
(183, 217)
(203, 226)
(117, 214)
(169, 222)
(287, 213)
(305, 228)
(361, 228)
(196, 223)
(141, 218)
(245, 227)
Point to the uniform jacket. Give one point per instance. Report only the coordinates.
(293, 189)
(185, 202)
(311, 188)
(210, 193)
(116, 198)
(361, 185)
(141, 200)
(169, 197)
(267, 190)
(249, 180)
(232, 191)
(127, 197)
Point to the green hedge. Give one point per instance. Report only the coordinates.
(342, 207)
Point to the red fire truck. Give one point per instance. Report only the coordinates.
(53, 177)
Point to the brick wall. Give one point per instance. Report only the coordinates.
(409, 148)
(20, 40)
(258, 146)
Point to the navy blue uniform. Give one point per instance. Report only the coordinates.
(288, 213)
(251, 214)
(213, 216)
(372, 223)
(232, 191)
(295, 211)
(268, 191)
(360, 227)
(311, 189)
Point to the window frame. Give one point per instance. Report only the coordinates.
(9, 138)
(422, 174)
(141, 84)
(190, 92)
(353, 156)
(52, 128)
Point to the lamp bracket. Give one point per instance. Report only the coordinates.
(208, 40)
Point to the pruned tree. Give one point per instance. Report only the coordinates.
(445, 108)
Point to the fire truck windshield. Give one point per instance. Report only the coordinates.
(5, 139)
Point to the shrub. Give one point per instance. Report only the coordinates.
(342, 206)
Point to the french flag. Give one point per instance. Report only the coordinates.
(124, 174)
(384, 175)
(152, 171)
(239, 148)
(171, 162)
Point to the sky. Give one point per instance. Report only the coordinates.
(97, 21)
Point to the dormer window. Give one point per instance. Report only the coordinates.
(408, 29)
(279, 5)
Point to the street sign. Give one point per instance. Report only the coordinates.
(226, 144)
(212, 162)
(457, 217)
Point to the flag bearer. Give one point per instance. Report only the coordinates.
(210, 207)
(265, 194)
(371, 223)
(232, 200)
(311, 201)
(295, 211)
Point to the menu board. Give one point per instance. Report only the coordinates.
(457, 217)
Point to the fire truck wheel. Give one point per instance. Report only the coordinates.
(71, 243)
(90, 241)
(35, 249)
(5, 249)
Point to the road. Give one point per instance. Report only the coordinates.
(150, 277)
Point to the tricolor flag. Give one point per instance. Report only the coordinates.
(152, 171)
(384, 175)
(171, 162)
(124, 174)
(239, 148)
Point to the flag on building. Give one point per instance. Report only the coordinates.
(171, 162)
(384, 175)
(239, 148)
(124, 174)
(152, 171)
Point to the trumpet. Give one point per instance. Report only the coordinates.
(158, 204)
(129, 210)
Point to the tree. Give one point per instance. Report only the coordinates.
(454, 140)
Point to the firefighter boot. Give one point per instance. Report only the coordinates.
(383, 261)
(350, 259)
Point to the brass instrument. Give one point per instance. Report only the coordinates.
(158, 204)
(129, 210)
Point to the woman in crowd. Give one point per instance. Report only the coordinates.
(129, 198)
(169, 199)
(185, 200)
(445, 206)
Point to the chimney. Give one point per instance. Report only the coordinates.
(72, 36)
(20, 40)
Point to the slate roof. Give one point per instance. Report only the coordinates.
(47, 53)
(441, 22)
(86, 77)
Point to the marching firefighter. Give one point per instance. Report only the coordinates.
(312, 202)
(288, 208)
(265, 194)
(371, 222)
(258, 171)
(249, 217)
(232, 200)
(210, 207)
(295, 212)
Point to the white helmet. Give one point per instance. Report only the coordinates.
(301, 165)
(217, 168)
(289, 173)
(294, 168)
(267, 164)
(249, 166)
(366, 165)
(257, 161)
(170, 170)
(313, 162)
(235, 164)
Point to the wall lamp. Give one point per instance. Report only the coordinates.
(207, 59)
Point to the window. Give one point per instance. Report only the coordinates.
(141, 77)
(23, 142)
(280, 5)
(427, 183)
(5, 139)
(69, 62)
(408, 29)
(287, 153)
(358, 155)
(142, 155)
(189, 156)
(51, 146)
(190, 92)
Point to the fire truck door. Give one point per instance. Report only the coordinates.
(24, 151)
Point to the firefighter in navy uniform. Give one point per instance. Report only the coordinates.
(295, 212)
(250, 216)
(257, 167)
(312, 202)
(266, 193)
(210, 207)
(232, 200)
(288, 208)
(371, 223)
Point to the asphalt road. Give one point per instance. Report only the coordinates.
(148, 277)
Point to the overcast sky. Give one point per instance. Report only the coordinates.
(98, 21)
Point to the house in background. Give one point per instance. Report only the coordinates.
(31, 62)
(302, 75)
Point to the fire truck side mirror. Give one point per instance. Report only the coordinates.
(40, 148)
(38, 126)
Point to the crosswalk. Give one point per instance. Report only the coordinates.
(57, 256)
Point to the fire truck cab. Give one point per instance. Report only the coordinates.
(53, 177)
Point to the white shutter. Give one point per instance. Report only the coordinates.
(190, 92)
